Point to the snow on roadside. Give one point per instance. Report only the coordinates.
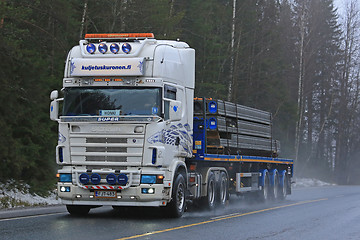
(13, 194)
(309, 182)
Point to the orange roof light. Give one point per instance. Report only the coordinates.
(119, 36)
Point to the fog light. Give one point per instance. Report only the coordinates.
(148, 190)
(111, 179)
(78, 196)
(95, 178)
(64, 189)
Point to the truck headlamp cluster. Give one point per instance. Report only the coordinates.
(152, 179)
(65, 177)
(103, 48)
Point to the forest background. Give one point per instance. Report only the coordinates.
(296, 59)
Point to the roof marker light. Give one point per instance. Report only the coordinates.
(126, 48)
(90, 48)
(114, 48)
(119, 36)
(103, 48)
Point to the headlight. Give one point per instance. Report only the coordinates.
(122, 179)
(102, 48)
(152, 179)
(114, 48)
(90, 48)
(84, 178)
(95, 178)
(65, 177)
(126, 48)
(111, 179)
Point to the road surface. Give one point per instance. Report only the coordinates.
(331, 212)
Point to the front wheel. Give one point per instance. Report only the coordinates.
(178, 202)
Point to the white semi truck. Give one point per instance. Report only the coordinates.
(131, 132)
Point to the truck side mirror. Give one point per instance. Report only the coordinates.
(175, 111)
(54, 105)
(54, 95)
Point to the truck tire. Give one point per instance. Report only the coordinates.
(177, 205)
(78, 210)
(274, 189)
(209, 201)
(223, 190)
(264, 193)
(283, 187)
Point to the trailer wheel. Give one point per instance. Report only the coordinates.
(274, 189)
(177, 205)
(283, 187)
(264, 192)
(223, 191)
(209, 200)
(78, 210)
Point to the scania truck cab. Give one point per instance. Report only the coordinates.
(126, 122)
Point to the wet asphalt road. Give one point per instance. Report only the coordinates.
(331, 212)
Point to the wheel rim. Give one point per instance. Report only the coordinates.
(180, 197)
(276, 187)
(211, 193)
(266, 187)
(284, 186)
(223, 192)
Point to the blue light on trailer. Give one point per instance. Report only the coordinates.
(84, 178)
(212, 123)
(212, 107)
(103, 48)
(111, 179)
(114, 48)
(65, 177)
(90, 48)
(126, 48)
(95, 178)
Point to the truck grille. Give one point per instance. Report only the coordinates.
(112, 148)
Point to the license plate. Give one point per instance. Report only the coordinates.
(105, 194)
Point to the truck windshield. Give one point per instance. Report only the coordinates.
(111, 101)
